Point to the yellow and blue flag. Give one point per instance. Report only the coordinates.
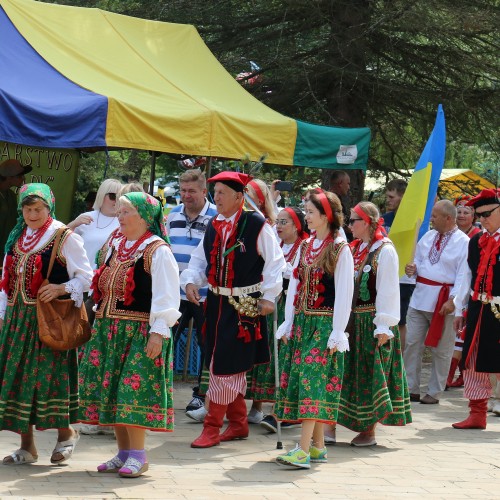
(414, 213)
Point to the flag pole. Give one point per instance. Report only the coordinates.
(415, 239)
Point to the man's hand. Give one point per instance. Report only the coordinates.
(192, 294)
(154, 345)
(50, 292)
(447, 308)
(410, 270)
(265, 307)
(458, 323)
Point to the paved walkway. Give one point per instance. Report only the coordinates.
(425, 459)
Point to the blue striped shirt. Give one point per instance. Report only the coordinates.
(185, 235)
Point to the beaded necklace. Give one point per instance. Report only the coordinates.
(289, 256)
(124, 253)
(27, 242)
(312, 253)
(358, 255)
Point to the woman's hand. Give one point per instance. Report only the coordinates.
(81, 219)
(51, 291)
(332, 351)
(382, 338)
(1, 324)
(192, 294)
(154, 345)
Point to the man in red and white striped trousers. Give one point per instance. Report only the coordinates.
(480, 294)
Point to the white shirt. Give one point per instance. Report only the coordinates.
(267, 248)
(96, 233)
(449, 268)
(77, 265)
(462, 298)
(344, 288)
(387, 309)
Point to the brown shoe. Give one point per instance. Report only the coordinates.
(429, 400)
(415, 398)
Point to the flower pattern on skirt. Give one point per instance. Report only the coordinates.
(119, 384)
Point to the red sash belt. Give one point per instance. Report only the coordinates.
(436, 327)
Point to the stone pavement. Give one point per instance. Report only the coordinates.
(425, 459)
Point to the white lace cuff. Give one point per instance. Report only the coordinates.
(3, 304)
(75, 288)
(283, 331)
(383, 329)
(160, 327)
(339, 340)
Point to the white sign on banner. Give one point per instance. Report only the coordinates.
(347, 154)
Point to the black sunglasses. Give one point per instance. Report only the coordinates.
(486, 213)
(112, 196)
(352, 221)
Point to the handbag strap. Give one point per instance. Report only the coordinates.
(59, 234)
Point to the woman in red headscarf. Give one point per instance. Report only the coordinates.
(374, 388)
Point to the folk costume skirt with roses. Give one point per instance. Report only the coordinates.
(119, 384)
(38, 386)
(311, 380)
(374, 387)
(261, 380)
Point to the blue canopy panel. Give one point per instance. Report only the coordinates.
(41, 107)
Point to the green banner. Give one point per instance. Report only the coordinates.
(56, 167)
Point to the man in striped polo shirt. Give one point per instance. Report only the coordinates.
(186, 225)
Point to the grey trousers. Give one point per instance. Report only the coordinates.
(418, 324)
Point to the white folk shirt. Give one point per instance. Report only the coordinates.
(448, 269)
(462, 298)
(267, 248)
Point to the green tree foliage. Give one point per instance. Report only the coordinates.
(385, 64)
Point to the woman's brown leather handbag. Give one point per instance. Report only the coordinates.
(61, 325)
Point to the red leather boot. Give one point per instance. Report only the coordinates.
(211, 426)
(451, 374)
(238, 423)
(477, 415)
(459, 382)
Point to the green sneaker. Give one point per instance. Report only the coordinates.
(317, 455)
(295, 458)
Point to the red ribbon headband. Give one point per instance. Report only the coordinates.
(379, 230)
(360, 212)
(258, 192)
(325, 204)
(294, 217)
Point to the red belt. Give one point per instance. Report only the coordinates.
(436, 327)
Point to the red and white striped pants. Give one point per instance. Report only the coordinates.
(477, 385)
(223, 390)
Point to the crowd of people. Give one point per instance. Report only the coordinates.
(301, 308)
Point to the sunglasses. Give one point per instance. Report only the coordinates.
(352, 221)
(486, 213)
(281, 222)
(112, 196)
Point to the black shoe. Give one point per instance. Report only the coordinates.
(269, 423)
(196, 403)
(415, 398)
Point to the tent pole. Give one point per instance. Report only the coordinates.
(152, 175)
(209, 167)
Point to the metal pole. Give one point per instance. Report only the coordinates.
(187, 352)
(279, 444)
(152, 174)
(208, 170)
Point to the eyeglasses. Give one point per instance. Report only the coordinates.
(352, 221)
(112, 196)
(486, 213)
(282, 222)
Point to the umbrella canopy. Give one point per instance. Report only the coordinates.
(86, 78)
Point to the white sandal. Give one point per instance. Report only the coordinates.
(65, 448)
(20, 457)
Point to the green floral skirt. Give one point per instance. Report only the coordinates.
(38, 386)
(311, 380)
(374, 387)
(119, 384)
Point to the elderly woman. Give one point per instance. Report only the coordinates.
(126, 372)
(39, 386)
(374, 388)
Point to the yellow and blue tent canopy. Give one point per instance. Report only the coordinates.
(85, 78)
